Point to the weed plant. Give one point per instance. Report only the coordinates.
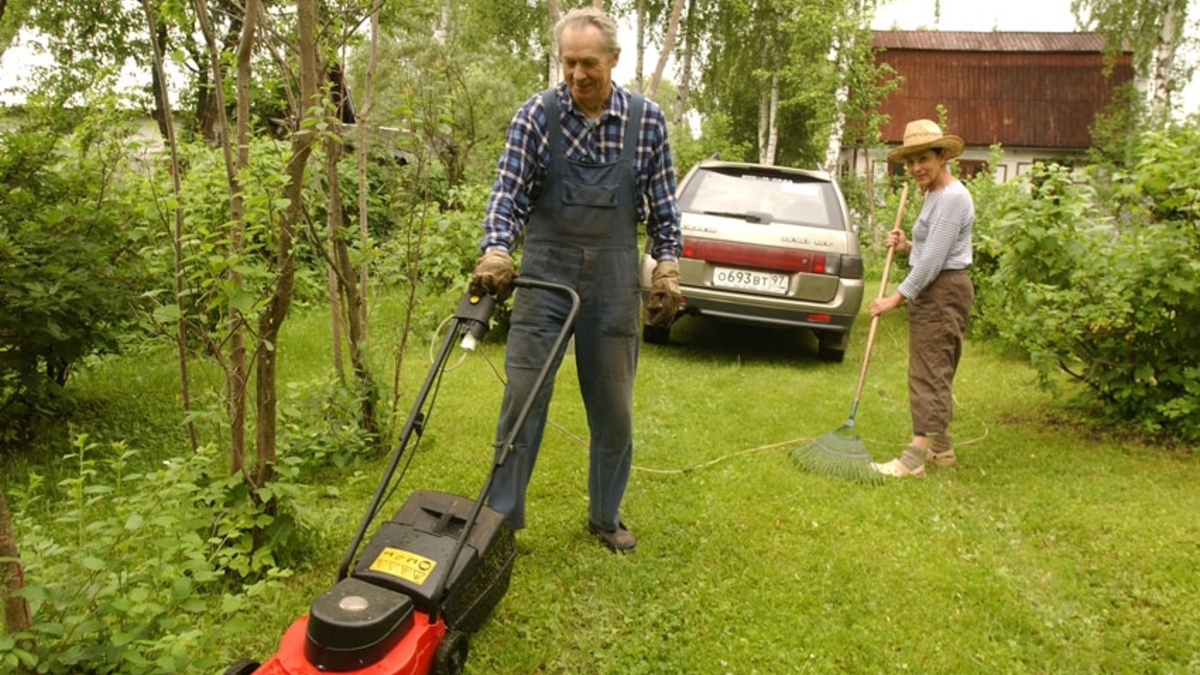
(1054, 546)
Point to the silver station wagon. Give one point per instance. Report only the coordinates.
(766, 245)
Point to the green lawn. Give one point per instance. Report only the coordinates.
(1054, 546)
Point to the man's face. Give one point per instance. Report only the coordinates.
(587, 67)
(925, 167)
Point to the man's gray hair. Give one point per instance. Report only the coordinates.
(589, 16)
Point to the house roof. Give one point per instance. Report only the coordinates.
(992, 41)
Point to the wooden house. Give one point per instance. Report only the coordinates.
(1036, 94)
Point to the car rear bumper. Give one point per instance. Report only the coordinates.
(773, 311)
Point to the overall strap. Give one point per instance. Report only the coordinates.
(553, 125)
(633, 126)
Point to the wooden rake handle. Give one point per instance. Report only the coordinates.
(887, 268)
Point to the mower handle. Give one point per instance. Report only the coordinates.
(470, 322)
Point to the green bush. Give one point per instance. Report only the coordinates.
(1113, 302)
(124, 577)
(131, 570)
(320, 421)
(1001, 208)
(69, 264)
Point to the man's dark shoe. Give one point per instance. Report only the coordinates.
(619, 540)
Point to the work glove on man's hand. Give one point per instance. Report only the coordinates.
(493, 275)
(665, 297)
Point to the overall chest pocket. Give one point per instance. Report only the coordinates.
(591, 196)
(595, 196)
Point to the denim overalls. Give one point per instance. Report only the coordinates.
(582, 233)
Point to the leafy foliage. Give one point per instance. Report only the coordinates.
(89, 44)
(69, 264)
(995, 205)
(319, 421)
(1112, 301)
(749, 46)
(134, 569)
(1154, 32)
(714, 139)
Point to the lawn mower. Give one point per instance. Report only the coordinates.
(427, 578)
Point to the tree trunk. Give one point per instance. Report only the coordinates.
(158, 42)
(768, 132)
(236, 370)
(17, 617)
(206, 104)
(359, 336)
(1164, 75)
(275, 313)
(641, 46)
(773, 128)
(554, 70)
(347, 292)
(241, 377)
(364, 233)
(685, 70)
(211, 120)
(763, 122)
(833, 150)
(333, 288)
(668, 44)
(355, 305)
(167, 126)
(333, 237)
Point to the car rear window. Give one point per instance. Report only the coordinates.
(792, 199)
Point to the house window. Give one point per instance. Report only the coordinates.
(969, 168)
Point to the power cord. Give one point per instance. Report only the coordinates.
(686, 470)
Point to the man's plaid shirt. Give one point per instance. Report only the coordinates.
(526, 155)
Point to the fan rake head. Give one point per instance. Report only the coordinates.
(839, 454)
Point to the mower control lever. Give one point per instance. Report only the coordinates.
(474, 311)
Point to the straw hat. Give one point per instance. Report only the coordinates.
(925, 134)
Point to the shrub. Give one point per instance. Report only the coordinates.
(132, 569)
(319, 420)
(69, 267)
(1112, 302)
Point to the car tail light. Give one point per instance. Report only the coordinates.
(852, 267)
(761, 257)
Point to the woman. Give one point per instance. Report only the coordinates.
(938, 291)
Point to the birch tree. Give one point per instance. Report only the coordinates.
(775, 69)
(668, 44)
(1154, 31)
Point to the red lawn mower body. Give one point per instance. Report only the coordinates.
(412, 655)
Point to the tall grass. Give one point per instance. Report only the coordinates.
(1055, 546)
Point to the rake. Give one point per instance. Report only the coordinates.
(841, 453)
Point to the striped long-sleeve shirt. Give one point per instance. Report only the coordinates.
(941, 237)
(526, 155)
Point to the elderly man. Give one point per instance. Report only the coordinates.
(582, 165)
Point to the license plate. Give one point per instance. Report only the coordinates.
(750, 280)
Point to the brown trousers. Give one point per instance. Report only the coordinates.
(937, 321)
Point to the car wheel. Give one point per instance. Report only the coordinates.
(831, 346)
(656, 335)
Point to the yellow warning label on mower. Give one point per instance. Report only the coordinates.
(403, 565)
